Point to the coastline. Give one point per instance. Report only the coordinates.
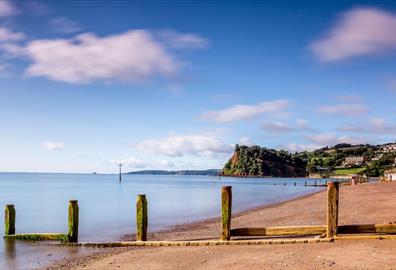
(182, 231)
(188, 227)
(377, 207)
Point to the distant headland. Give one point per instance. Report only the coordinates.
(211, 172)
(336, 161)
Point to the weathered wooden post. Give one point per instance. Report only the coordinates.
(141, 218)
(73, 221)
(226, 205)
(332, 209)
(9, 219)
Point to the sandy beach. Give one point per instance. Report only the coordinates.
(362, 204)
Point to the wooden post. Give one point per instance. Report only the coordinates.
(305, 183)
(226, 205)
(141, 218)
(9, 220)
(315, 183)
(73, 221)
(332, 209)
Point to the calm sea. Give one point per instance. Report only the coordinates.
(107, 208)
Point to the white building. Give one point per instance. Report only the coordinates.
(390, 175)
(388, 148)
(355, 160)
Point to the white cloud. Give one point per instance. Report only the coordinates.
(136, 163)
(328, 139)
(35, 7)
(295, 147)
(54, 145)
(322, 138)
(65, 25)
(8, 35)
(277, 127)
(360, 31)
(372, 125)
(345, 109)
(7, 8)
(244, 112)
(302, 123)
(131, 162)
(183, 41)
(12, 49)
(181, 145)
(130, 56)
(281, 127)
(245, 141)
(348, 98)
(165, 163)
(135, 55)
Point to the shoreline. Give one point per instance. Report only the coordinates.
(310, 209)
(172, 231)
(216, 220)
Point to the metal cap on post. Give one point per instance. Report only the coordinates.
(226, 205)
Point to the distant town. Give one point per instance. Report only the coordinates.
(341, 160)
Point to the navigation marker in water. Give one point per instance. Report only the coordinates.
(120, 165)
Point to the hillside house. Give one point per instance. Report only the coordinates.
(389, 148)
(355, 160)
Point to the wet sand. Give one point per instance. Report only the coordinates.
(368, 203)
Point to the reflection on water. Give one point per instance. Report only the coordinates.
(10, 253)
(107, 208)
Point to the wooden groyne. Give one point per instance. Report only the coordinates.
(272, 235)
(71, 236)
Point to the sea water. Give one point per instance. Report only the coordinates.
(107, 207)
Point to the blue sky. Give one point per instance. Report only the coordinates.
(174, 85)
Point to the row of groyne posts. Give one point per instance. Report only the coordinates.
(323, 233)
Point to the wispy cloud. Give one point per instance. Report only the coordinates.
(7, 35)
(348, 98)
(376, 125)
(302, 124)
(360, 31)
(54, 145)
(277, 127)
(244, 112)
(135, 55)
(296, 147)
(136, 163)
(330, 138)
(245, 141)
(281, 127)
(181, 145)
(7, 8)
(177, 40)
(348, 109)
(37, 8)
(65, 25)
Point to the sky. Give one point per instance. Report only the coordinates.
(85, 85)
